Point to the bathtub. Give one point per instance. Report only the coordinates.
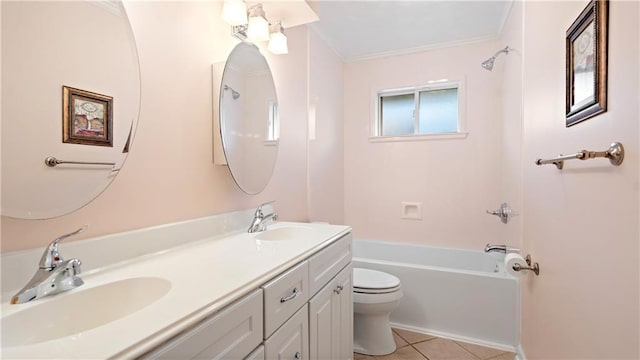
(458, 294)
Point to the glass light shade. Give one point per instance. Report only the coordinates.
(258, 29)
(278, 43)
(234, 12)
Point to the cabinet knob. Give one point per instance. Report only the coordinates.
(297, 356)
(338, 289)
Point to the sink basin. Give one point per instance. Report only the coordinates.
(80, 310)
(285, 233)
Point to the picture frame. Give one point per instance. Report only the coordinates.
(87, 117)
(586, 63)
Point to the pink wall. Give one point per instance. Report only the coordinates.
(170, 175)
(455, 179)
(326, 140)
(581, 223)
(510, 68)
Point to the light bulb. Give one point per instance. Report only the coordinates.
(234, 12)
(278, 41)
(258, 28)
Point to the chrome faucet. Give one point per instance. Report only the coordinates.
(259, 222)
(500, 248)
(54, 274)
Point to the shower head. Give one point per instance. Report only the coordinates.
(488, 64)
(234, 94)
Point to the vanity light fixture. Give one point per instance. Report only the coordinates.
(253, 25)
(278, 40)
(234, 12)
(258, 27)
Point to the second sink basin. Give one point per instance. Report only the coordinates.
(81, 310)
(285, 233)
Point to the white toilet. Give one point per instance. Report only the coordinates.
(375, 295)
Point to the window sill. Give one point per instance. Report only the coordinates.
(421, 137)
(270, 142)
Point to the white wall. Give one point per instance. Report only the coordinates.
(580, 223)
(169, 175)
(456, 180)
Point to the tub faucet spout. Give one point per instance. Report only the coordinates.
(495, 248)
(500, 248)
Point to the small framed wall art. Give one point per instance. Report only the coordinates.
(586, 61)
(86, 117)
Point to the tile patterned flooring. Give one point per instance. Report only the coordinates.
(416, 346)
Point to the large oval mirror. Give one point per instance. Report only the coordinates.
(71, 91)
(249, 118)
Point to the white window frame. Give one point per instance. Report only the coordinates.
(376, 124)
(273, 131)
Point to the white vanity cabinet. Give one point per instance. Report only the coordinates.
(306, 312)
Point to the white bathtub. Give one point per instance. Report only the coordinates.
(459, 294)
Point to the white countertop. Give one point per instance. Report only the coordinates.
(205, 276)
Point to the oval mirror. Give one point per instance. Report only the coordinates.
(249, 118)
(71, 90)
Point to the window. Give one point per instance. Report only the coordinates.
(273, 132)
(420, 112)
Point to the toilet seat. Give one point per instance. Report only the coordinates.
(375, 291)
(369, 281)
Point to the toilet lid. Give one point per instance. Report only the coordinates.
(373, 279)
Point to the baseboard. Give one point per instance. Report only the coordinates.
(442, 334)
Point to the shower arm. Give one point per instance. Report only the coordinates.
(505, 50)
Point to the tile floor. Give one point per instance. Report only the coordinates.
(416, 346)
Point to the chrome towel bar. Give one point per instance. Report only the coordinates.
(52, 161)
(615, 154)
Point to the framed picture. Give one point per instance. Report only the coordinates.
(586, 59)
(86, 117)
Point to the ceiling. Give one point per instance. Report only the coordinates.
(359, 30)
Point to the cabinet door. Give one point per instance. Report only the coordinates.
(322, 324)
(291, 341)
(257, 354)
(344, 281)
(331, 319)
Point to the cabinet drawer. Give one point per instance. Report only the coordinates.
(324, 265)
(284, 295)
(230, 334)
(291, 341)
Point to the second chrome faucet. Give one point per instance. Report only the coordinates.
(54, 274)
(259, 222)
